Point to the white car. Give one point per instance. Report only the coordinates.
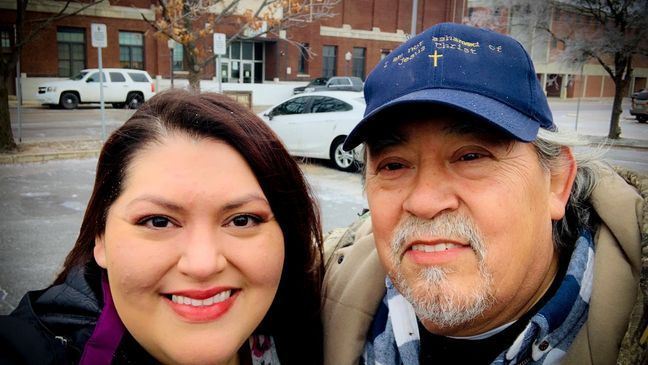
(316, 124)
(120, 87)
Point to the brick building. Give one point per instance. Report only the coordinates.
(351, 43)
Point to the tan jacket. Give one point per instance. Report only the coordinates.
(354, 282)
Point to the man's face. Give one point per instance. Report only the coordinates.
(462, 222)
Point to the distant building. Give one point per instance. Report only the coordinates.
(560, 80)
(351, 43)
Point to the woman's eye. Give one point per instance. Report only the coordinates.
(156, 222)
(244, 220)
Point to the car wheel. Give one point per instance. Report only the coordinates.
(341, 159)
(69, 101)
(134, 100)
(118, 105)
(642, 118)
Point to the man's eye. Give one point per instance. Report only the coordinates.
(391, 166)
(471, 156)
(244, 220)
(156, 222)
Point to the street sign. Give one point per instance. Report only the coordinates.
(220, 44)
(99, 37)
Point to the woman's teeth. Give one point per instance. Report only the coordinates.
(220, 297)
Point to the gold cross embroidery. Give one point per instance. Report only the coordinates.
(435, 56)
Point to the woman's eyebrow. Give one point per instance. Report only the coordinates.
(231, 205)
(246, 199)
(157, 200)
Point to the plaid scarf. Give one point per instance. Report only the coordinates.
(394, 337)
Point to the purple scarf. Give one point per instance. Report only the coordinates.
(107, 334)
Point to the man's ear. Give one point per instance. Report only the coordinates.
(562, 179)
(100, 251)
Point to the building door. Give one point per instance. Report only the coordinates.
(554, 83)
(247, 75)
(225, 77)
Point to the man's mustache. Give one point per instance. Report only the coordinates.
(455, 226)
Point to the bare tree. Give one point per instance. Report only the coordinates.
(191, 23)
(26, 30)
(612, 33)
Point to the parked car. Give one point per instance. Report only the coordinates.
(316, 124)
(320, 81)
(639, 107)
(341, 83)
(122, 87)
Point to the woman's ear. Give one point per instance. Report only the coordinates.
(100, 251)
(562, 179)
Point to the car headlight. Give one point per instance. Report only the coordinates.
(51, 88)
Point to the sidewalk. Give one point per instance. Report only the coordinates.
(52, 150)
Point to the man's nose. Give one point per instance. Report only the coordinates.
(432, 192)
(202, 253)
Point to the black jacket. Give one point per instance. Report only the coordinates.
(51, 326)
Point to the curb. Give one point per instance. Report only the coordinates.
(621, 142)
(46, 156)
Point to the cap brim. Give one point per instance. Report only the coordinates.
(510, 120)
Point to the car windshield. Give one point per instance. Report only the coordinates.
(79, 76)
(317, 82)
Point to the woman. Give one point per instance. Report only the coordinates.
(200, 245)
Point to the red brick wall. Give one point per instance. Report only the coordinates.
(593, 86)
(45, 45)
(385, 20)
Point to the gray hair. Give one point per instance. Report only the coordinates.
(549, 146)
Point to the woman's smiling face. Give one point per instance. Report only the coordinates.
(193, 252)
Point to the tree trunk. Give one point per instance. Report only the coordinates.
(615, 128)
(7, 142)
(194, 80)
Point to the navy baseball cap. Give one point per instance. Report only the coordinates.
(478, 71)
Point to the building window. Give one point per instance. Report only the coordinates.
(178, 60)
(384, 53)
(5, 39)
(131, 50)
(329, 57)
(358, 68)
(244, 63)
(302, 67)
(71, 51)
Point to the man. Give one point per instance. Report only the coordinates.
(489, 239)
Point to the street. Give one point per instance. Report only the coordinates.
(41, 123)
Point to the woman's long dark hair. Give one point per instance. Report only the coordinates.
(294, 317)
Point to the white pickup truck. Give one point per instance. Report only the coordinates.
(121, 87)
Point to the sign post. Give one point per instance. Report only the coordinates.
(99, 41)
(171, 44)
(18, 94)
(220, 48)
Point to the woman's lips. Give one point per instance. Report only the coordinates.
(202, 305)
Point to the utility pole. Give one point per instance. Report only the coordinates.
(414, 17)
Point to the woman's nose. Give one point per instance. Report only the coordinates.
(201, 253)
